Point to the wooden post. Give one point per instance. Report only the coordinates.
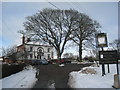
(103, 66)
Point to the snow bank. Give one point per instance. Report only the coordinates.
(61, 65)
(23, 79)
(82, 80)
(85, 62)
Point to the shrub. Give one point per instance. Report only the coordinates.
(9, 69)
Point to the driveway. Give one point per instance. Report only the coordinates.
(49, 74)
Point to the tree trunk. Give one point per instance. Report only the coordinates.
(58, 54)
(80, 52)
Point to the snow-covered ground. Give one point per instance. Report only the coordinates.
(23, 79)
(83, 62)
(61, 65)
(82, 79)
(0, 62)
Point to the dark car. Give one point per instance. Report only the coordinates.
(42, 61)
(62, 61)
(67, 61)
(57, 61)
(34, 62)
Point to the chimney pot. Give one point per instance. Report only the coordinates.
(23, 39)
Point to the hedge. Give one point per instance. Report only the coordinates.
(9, 69)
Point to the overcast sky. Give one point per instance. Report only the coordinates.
(15, 13)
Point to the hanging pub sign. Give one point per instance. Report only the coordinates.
(108, 57)
(101, 39)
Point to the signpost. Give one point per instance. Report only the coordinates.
(101, 40)
(108, 57)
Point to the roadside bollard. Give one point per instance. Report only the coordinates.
(117, 77)
(37, 73)
(116, 81)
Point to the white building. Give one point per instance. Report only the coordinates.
(34, 51)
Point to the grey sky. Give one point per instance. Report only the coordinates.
(14, 14)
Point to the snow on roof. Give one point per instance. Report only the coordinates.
(36, 44)
(1, 59)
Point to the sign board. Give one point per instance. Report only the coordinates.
(101, 39)
(108, 57)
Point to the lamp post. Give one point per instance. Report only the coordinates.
(102, 42)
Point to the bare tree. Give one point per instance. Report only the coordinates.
(10, 52)
(116, 45)
(68, 55)
(4, 51)
(52, 26)
(85, 33)
(22, 55)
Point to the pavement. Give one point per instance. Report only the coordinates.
(54, 76)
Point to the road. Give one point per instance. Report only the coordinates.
(53, 73)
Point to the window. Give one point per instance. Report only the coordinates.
(48, 56)
(31, 56)
(40, 50)
(52, 55)
(31, 48)
(48, 50)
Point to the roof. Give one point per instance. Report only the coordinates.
(39, 45)
(36, 45)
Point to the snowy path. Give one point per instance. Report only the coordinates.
(23, 79)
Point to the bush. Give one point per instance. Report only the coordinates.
(90, 59)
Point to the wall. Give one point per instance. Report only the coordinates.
(35, 51)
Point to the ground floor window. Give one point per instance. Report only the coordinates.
(39, 57)
(48, 56)
(31, 56)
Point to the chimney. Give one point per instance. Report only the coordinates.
(28, 39)
(23, 39)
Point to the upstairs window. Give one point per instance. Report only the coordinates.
(31, 48)
(48, 50)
